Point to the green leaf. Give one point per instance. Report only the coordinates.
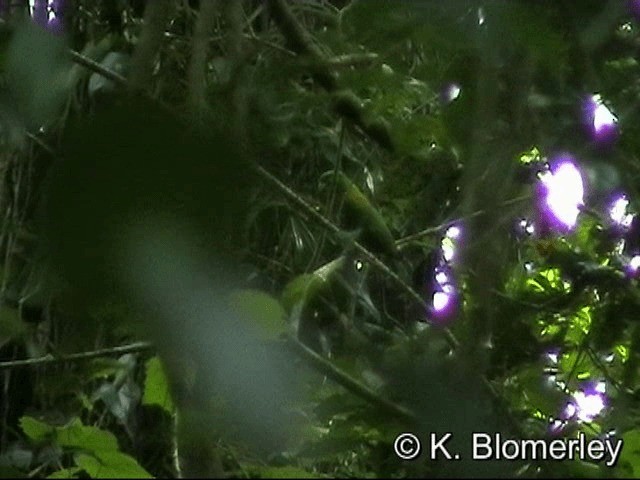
(539, 393)
(262, 309)
(629, 463)
(89, 438)
(66, 473)
(35, 429)
(38, 69)
(306, 287)
(547, 280)
(112, 464)
(530, 156)
(102, 458)
(156, 386)
(579, 326)
(577, 364)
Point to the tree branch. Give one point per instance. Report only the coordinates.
(349, 106)
(50, 359)
(155, 18)
(196, 81)
(97, 68)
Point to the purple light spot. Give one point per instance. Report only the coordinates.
(57, 6)
(562, 190)
(600, 122)
(444, 302)
(570, 410)
(634, 265)
(448, 250)
(618, 212)
(453, 232)
(448, 243)
(449, 289)
(441, 301)
(602, 117)
(525, 227)
(442, 278)
(55, 26)
(588, 405)
(48, 14)
(551, 380)
(39, 12)
(556, 425)
(450, 93)
(442, 293)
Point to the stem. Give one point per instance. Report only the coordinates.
(197, 80)
(155, 18)
(50, 359)
(97, 68)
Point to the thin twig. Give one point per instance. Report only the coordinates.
(97, 68)
(49, 359)
(439, 228)
(352, 60)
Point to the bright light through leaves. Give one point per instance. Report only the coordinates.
(618, 212)
(585, 405)
(444, 295)
(450, 93)
(48, 14)
(449, 241)
(441, 302)
(634, 265)
(602, 124)
(562, 193)
(589, 403)
(525, 227)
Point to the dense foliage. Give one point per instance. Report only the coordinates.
(264, 238)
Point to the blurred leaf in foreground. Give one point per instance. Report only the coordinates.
(37, 72)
